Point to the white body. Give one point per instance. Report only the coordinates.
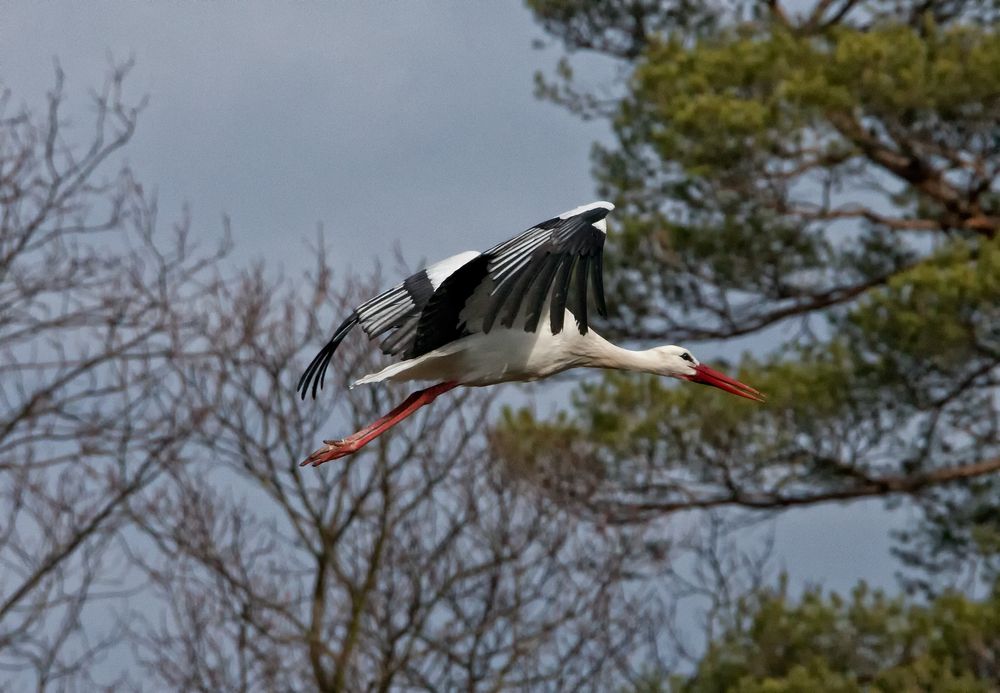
(503, 355)
(506, 354)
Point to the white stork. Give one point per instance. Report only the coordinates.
(479, 319)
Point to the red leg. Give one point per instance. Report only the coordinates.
(334, 449)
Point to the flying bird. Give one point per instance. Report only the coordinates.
(518, 311)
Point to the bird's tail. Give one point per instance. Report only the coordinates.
(384, 374)
(423, 367)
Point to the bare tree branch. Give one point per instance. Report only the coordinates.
(94, 317)
(615, 512)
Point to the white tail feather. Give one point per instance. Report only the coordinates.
(420, 368)
(383, 374)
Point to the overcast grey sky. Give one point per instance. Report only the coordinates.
(384, 120)
(409, 121)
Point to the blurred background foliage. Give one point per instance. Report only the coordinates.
(865, 641)
(819, 180)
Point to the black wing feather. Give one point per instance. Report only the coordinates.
(535, 301)
(440, 321)
(523, 282)
(398, 310)
(500, 295)
(578, 298)
(560, 292)
(404, 334)
(517, 263)
(597, 277)
(316, 371)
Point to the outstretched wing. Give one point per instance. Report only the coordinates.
(396, 311)
(552, 263)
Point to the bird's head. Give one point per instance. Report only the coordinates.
(679, 362)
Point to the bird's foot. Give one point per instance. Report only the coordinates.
(331, 450)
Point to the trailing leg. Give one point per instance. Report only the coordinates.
(335, 449)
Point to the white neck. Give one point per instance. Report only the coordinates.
(600, 353)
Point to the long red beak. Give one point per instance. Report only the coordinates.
(708, 376)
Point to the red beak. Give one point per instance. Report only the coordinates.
(707, 376)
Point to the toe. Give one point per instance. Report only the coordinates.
(333, 450)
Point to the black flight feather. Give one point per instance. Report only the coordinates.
(597, 277)
(316, 372)
(440, 321)
(406, 330)
(511, 284)
(535, 300)
(560, 291)
(521, 286)
(578, 299)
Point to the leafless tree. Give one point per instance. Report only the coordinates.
(417, 564)
(92, 323)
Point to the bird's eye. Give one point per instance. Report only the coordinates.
(687, 357)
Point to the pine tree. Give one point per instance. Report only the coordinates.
(824, 185)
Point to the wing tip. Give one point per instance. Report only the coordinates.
(597, 207)
(315, 372)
